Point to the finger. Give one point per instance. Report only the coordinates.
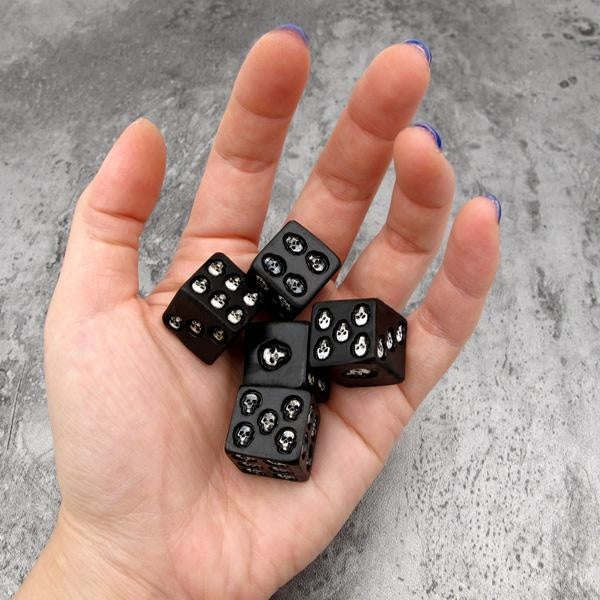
(101, 261)
(234, 193)
(350, 168)
(440, 327)
(396, 260)
(359, 427)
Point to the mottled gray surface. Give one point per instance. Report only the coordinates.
(492, 491)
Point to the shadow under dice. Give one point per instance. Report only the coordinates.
(273, 432)
(362, 342)
(212, 307)
(291, 269)
(276, 354)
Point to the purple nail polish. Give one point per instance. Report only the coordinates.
(437, 138)
(422, 46)
(297, 30)
(495, 200)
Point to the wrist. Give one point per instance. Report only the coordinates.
(78, 564)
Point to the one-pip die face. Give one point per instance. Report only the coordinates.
(291, 269)
(276, 354)
(362, 342)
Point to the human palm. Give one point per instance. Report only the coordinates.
(140, 423)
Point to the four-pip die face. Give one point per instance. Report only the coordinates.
(362, 342)
(273, 431)
(276, 354)
(212, 307)
(291, 269)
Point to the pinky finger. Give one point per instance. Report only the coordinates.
(441, 326)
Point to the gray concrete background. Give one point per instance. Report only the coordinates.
(493, 490)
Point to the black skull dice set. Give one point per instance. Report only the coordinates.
(288, 364)
(361, 342)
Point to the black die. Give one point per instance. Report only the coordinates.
(212, 307)
(291, 269)
(273, 431)
(276, 354)
(362, 342)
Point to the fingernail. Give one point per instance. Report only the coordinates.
(496, 202)
(295, 29)
(422, 46)
(437, 138)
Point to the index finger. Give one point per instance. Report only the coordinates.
(233, 195)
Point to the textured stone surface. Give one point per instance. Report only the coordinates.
(492, 492)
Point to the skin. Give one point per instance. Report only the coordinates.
(151, 506)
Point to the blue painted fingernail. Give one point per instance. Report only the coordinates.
(433, 131)
(297, 30)
(422, 46)
(496, 202)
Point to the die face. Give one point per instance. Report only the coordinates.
(291, 269)
(273, 432)
(361, 341)
(318, 382)
(223, 288)
(212, 307)
(391, 342)
(276, 355)
(197, 327)
(343, 333)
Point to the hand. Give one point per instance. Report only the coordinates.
(151, 505)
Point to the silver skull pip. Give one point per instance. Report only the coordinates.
(323, 349)
(360, 315)
(217, 267)
(324, 319)
(200, 285)
(273, 264)
(273, 355)
(342, 332)
(389, 340)
(233, 282)
(267, 421)
(249, 402)
(360, 345)
(292, 407)
(219, 300)
(286, 440)
(317, 262)
(243, 435)
(294, 243)
(235, 316)
(400, 333)
(295, 284)
(251, 298)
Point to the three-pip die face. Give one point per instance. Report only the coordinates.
(276, 354)
(362, 342)
(273, 431)
(212, 307)
(291, 269)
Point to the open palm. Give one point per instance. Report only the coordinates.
(140, 423)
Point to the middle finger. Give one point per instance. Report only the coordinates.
(346, 176)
